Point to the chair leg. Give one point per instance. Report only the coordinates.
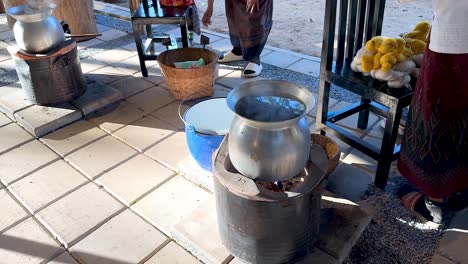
(322, 105)
(388, 145)
(183, 32)
(363, 119)
(138, 32)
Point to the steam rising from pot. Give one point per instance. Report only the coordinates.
(36, 6)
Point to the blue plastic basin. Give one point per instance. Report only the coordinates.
(206, 124)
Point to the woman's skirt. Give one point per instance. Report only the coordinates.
(434, 151)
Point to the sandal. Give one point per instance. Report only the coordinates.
(229, 57)
(422, 207)
(252, 70)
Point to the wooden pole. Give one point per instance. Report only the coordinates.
(2, 8)
(79, 14)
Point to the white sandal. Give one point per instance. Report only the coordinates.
(252, 70)
(230, 57)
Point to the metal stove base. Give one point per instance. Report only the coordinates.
(342, 224)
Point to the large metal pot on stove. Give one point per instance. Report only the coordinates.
(36, 30)
(269, 138)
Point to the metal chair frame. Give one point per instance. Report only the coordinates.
(148, 13)
(358, 21)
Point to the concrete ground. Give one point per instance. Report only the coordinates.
(109, 187)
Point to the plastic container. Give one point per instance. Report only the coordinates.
(206, 124)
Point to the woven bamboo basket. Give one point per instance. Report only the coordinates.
(331, 148)
(189, 83)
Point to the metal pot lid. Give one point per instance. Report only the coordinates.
(212, 117)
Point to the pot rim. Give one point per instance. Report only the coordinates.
(272, 88)
(41, 12)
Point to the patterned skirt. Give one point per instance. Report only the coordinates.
(249, 31)
(434, 151)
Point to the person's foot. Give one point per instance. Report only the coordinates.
(229, 57)
(422, 206)
(252, 70)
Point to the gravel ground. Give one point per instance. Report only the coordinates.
(394, 235)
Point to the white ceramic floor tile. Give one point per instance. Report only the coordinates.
(168, 204)
(134, 178)
(126, 238)
(170, 151)
(4, 120)
(113, 55)
(170, 114)
(235, 79)
(198, 233)
(106, 75)
(27, 243)
(132, 65)
(131, 85)
(100, 156)
(64, 258)
(46, 185)
(144, 132)
(12, 135)
(77, 214)
(117, 116)
(152, 99)
(12, 212)
(309, 67)
(279, 59)
(89, 65)
(24, 160)
(72, 137)
(112, 34)
(173, 254)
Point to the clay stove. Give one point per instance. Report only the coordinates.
(269, 222)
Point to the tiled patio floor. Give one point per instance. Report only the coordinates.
(108, 188)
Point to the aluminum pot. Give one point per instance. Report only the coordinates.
(36, 30)
(269, 150)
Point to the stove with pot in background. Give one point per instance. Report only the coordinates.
(47, 64)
